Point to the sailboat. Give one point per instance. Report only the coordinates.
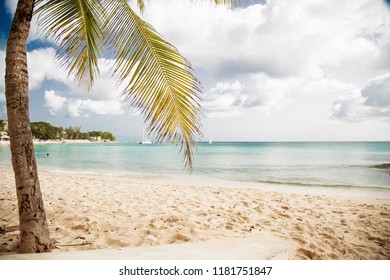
(211, 140)
(144, 140)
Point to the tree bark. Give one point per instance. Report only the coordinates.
(34, 232)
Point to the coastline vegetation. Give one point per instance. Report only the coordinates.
(46, 131)
(2, 125)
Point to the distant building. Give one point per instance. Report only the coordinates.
(96, 138)
(4, 135)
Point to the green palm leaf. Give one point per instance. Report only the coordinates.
(236, 3)
(141, 5)
(158, 78)
(161, 83)
(76, 25)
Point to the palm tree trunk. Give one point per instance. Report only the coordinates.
(34, 232)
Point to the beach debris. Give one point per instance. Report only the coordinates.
(76, 244)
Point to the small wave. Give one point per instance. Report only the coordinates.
(70, 171)
(299, 184)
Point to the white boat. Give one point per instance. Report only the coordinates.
(211, 140)
(144, 140)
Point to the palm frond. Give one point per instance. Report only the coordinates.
(161, 82)
(141, 5)
(237, 3)
(76, 26)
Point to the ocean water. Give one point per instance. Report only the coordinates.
(318, 164)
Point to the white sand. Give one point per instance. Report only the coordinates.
(133, 214)
(262, 246)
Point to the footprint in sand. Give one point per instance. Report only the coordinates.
(179, 238)
(307, 254)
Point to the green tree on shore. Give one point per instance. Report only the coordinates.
(73, 132)
(46, 131)
(161, 85)
(2, 125)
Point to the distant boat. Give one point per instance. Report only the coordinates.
(211, 140)
(144, 140)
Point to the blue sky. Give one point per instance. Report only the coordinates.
(311, 70)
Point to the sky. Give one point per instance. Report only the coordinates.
(305, 70)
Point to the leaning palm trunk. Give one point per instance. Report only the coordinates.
(34, 233)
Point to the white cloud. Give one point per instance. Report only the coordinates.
(279, 39)
(267, 94)
(270, 59)
(370, 102)
(10, 6)
(350, 107)
(253, 91)
(103, 100)
(105, 86)
(54, 102)
(221, 101)
(73, 108)
(78, 107)
(42, 66)
(377, 91)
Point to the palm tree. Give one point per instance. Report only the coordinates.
(161, 84)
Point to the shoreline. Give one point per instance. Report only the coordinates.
(365, 194)
(112, 212)
(64, 141)
(67, 141)
(324, 167)
(360, 193)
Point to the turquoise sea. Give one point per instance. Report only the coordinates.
(322, 164)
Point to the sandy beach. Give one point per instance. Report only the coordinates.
(87, 212)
